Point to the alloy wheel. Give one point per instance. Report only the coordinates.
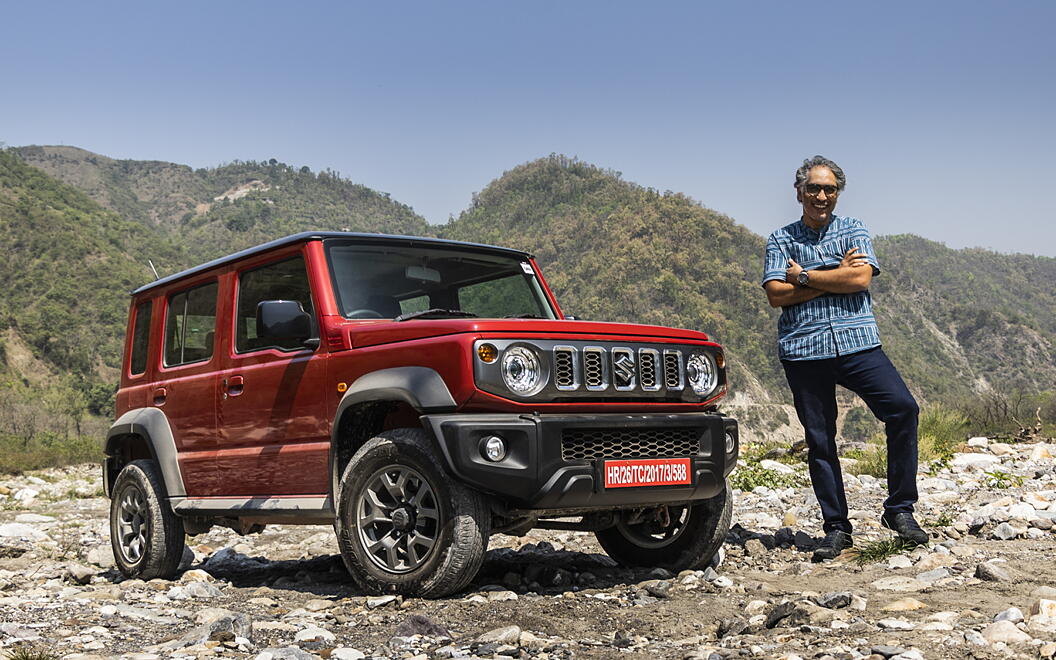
(133, 518)
(398, 519)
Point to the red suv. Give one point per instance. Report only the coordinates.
(417, 394)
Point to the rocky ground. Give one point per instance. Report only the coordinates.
(984, 588)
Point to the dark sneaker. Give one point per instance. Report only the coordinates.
(832, 545)
(906, 527)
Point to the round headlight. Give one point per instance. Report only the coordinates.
(702, 373)
(521, 371)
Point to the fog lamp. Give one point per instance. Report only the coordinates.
(731, 442)
(493, 448)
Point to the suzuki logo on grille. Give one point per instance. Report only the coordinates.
(623, 369)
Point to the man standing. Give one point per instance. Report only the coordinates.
(818, 270)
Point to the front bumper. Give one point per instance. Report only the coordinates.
(535, 475)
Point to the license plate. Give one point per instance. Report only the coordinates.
(648, 472)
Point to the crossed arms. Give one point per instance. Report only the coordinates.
(852, 275)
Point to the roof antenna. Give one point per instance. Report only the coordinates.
(156, 276)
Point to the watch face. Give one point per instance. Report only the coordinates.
(803, 277)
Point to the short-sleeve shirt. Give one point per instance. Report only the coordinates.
(832, 324)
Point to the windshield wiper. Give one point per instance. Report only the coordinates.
(523, 316)
(435, 313)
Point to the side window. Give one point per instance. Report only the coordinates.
(190, 325)
(137, 362)
(284, 280)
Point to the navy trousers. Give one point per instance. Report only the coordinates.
(870, 375)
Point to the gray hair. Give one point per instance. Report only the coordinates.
(819, 161)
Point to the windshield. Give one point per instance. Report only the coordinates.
(389, 281)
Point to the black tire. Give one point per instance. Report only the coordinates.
(147, 537)
(404, 525)
(695, 533)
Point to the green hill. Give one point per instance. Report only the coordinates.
(216, 211)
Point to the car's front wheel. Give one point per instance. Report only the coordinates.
(147, 537)
(679, 538)
(404, 525)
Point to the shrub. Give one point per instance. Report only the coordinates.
(751, 475)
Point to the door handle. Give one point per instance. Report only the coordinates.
(159, 396)
(234, 386)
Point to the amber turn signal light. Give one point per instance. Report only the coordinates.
(720, 359)
(487, 353)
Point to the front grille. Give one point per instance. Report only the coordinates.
(673, 370)
(648, 363)
(593, 369)
(564, 369)
(591, 444)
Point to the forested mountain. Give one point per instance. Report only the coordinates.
(219, 210)
(79, 228)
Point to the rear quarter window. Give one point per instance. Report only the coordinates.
(190, 325)
(137, 361)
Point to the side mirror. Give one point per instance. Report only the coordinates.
(569, 317)
(283, 319)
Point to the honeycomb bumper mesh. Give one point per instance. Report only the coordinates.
(590, 444)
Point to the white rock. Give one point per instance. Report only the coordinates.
(33, 518)
(1043, 607)
(946, 497)
(895, 624)
(26, 495)
(504, 635)
(347, 654)
(21, 531)
(1023, 511)
(780, 468)
(899, 561)
(313, 633)
(756, 607)
(101, 555)
(978, 441)
(1005, 631)
(1013, 614)
(380, 601)
(1006, 532)
(1041, 452)
(975, 461)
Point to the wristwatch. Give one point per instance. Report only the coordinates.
(803, 278)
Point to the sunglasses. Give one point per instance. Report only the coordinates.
(813, 189)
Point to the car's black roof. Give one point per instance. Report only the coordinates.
(316, 235)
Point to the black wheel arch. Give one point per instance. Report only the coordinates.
(381, 400)
(142, 433)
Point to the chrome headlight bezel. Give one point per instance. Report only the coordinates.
(522, 370)
(702, 373)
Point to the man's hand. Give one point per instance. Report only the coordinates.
(854, 258)
(793, 271)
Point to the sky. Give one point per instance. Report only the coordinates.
(941, 113)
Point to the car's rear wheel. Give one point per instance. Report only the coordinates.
(404, 525)
(146, 536)
(681, 537)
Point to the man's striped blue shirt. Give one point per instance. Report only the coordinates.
(834, 323)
